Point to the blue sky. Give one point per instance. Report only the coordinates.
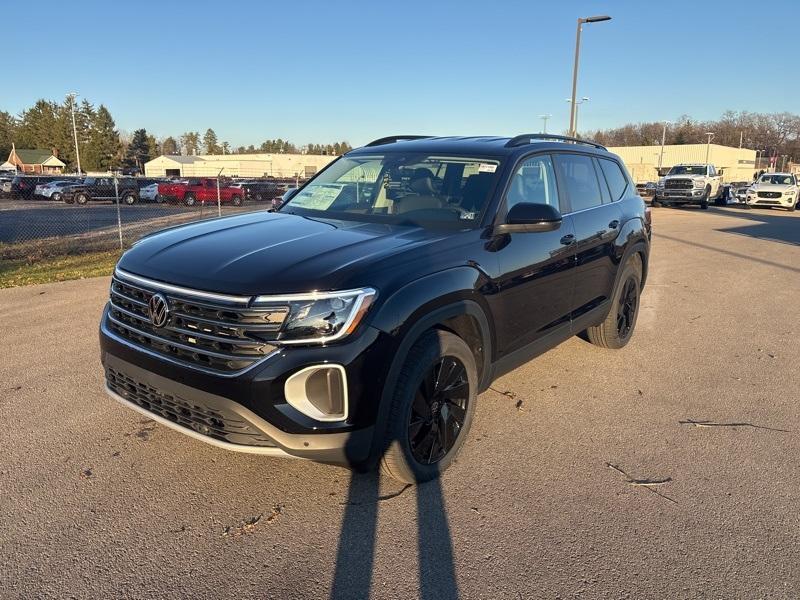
(326, 71)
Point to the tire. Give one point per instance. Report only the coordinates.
(420, 407)
(617, 328)
(56, 197)
(259, 197)
(189, 200)
(704, 199)
(236, 200)
(159, 199)
(129, 199)
(793, 207)
(81, 198)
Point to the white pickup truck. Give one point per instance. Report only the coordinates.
(689, 184)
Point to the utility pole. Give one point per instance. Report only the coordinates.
(741, 138)
(573, 107)
(544, 119)
(72, 96)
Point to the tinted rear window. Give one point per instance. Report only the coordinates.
(617, 182)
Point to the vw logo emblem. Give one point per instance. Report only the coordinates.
(159, 310)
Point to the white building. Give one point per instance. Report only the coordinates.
(237, 165)
(737, 164)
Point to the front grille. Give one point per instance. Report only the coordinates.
(222, 337)
(769, 194)
(218, 423)
(678, 184)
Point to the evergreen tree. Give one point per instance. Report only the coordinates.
(8, 127)
(103, 147)
(138, 151)
(153, 147)
(170, 146)
(190, 143)
(210, 142)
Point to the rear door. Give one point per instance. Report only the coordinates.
(596, 217)
(536, 269)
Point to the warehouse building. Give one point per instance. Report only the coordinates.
(237, 165)
(736, 164)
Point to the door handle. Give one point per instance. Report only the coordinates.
(568, 239)
(614, 224)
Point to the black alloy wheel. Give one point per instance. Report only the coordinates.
(438, 411)
(626, 311)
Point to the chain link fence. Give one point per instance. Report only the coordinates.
(47, 217)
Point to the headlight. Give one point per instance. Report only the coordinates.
(790, 192)
(698, 183)
(660, 183)
(320, 317)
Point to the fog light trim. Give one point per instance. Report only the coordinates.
(295, 393)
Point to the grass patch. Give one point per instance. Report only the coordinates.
(20, 271)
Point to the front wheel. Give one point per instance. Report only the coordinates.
(617, 329)
(189, 200)
(129, 199)
(56, 196)
(236, 200)
(82, 198)
(793, 207)
(432, 408)
(704, 199)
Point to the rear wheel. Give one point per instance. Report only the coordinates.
(159, 199)
(617, 329)
(236, 200)
(129, 199)
(56, 196)
(82, 198)
(189, 200)
(432, 408)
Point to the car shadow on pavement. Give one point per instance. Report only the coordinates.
(357, 541)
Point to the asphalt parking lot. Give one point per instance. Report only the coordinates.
(666, 470)
(23, 220)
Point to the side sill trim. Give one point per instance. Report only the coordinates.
(198, 436)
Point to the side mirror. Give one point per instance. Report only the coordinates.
(527, 217)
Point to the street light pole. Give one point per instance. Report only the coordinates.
(708, 145)
(72, 96)
(544, 119)
(576, 105)
(663, 139)
(573, 107)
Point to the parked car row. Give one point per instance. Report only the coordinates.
(130, 190)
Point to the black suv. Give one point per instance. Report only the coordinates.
(102, 188)
(357, 324)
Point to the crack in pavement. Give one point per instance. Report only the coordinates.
(644, 483)
(737, 424)
(379, 499)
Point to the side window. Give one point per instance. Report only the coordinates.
(712, 171)
(577, 173)
(617, 182)
(534, 181)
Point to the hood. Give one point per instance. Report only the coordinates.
(687, 176)
(772, 187)
(274, 253)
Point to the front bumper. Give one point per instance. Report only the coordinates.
(784, 201)
(248, 412)
(686, 196)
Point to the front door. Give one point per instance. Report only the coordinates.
(534, 284)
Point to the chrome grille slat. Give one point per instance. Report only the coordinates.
(189, 332)
(222, 337)
(220, 355)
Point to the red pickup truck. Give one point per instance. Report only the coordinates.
(204, 189)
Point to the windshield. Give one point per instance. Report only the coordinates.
(400, 187)
(777, 179)
(688, 170)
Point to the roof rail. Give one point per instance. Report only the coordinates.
(396, 138)
(527, 138)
